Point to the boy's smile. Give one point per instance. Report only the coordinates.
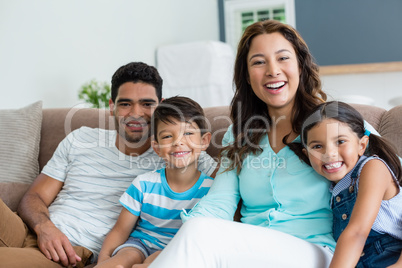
(179, 143)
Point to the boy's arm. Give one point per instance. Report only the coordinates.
(374, 181)
(118, 235)
(148, 260)
(152, 257)
(33, 209)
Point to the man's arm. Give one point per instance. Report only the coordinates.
(33, 209)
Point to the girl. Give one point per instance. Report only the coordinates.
(287, 220)
(365, 172)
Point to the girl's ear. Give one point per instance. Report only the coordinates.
(363, 145)
(206, 139)
(155, 146)
(305, 151)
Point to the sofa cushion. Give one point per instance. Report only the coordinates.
(372, 114)
(19, 142)
(218, 121)
(57, 123)
(391, 127)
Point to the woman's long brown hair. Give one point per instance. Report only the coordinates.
(249, 114)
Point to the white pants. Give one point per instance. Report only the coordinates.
(209, 242)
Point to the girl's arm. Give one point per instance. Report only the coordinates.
(118, 235)
(375, 179)
(398, 264)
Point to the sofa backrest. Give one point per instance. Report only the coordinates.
(57, 123)
(391, 127)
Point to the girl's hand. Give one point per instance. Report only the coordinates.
(398, 264)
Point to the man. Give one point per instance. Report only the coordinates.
(73, 203)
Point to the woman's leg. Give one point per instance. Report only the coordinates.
(208, 242)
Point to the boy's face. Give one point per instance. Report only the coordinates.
(180, 143)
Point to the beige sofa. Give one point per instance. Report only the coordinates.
(57, 123)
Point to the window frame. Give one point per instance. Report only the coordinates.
(232, 21)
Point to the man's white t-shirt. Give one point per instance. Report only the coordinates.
(95, 175)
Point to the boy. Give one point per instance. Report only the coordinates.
(152, 204)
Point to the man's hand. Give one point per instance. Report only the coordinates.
(55, 245)
(33, 209)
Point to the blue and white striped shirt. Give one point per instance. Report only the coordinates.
(389, 218)
(159, 207)
(95, 175)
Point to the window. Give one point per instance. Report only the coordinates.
(241, 13)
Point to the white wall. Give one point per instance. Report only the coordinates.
(49, 48)
(379, 87)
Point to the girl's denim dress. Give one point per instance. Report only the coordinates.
(380, 250)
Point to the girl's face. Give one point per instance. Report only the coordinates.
(273, 70)
(334, 149)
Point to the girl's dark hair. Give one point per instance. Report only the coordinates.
(345, 113)
(249, 114)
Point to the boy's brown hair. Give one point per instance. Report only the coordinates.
(182, 109)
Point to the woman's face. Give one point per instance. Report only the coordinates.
(273, 70)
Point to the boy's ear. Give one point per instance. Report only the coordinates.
(155, 146)
(363, 144)
(206, 140)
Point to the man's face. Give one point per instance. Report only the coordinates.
(132, 109)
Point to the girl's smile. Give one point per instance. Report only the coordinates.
(334, 149)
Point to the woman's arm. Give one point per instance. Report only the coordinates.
(118, 235)
(223, 197)
(375, 179)
(221, 200)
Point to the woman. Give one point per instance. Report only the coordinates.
(285, 203)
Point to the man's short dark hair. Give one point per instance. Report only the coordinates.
(137, 72)
(182, 109)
